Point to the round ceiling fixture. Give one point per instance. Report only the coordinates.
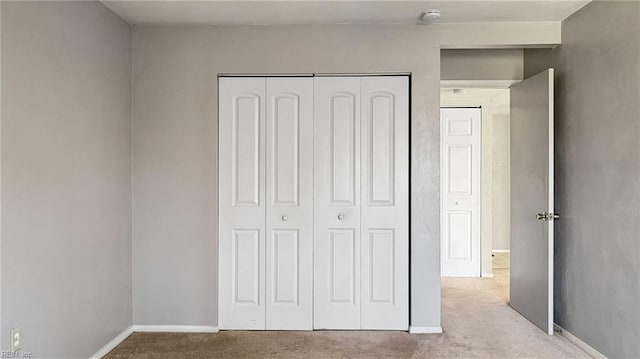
(430, 15)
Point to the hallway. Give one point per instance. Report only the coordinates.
(476, 319)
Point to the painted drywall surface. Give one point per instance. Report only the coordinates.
(501, 180)
(597, 250)
(1, 332)
(494, 167)
(493, 64)
(175, 142)
(66, 219)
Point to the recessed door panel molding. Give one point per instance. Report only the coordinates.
(458, 228)
(343, 264)
(242, 208)
(337, 203)
(382, 264)
(459, 126)
(385, 203)
(460, 210)
(285, 267)
(285, 144)
(460, 169)
(343, 148)
(246, 149)
(381, 145)
(246, 266)
(289, 289)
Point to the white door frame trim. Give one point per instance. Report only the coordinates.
(551, 179)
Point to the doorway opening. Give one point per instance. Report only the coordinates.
(496, 146)
(475, 179)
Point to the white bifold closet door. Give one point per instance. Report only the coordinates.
(361, 186)
(266, 203)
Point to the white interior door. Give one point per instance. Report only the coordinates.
(242, 203)
(460, 222)
(361, 203)
(532, 194)
(337, 203)
(289, 249)
(314, 203)
(385, 203)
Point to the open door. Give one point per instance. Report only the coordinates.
(532, 199)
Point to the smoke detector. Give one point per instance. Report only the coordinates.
(430, 15)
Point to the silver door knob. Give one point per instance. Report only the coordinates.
(341, 217)
(284, 218)
(553, 216)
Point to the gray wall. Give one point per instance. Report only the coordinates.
(175, 142)
(66, 204)
(493, 64)
(597, 269)
(501, 180)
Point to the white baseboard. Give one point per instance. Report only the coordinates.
(579, 343)
(175, 328)
(501, 250)
(487, 275)
(425, 330)
(112, 343)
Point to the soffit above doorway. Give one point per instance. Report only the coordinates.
(264, 12)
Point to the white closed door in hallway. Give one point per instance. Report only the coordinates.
(314, 203)
(460, 138)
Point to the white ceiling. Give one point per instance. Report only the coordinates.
(265, 12)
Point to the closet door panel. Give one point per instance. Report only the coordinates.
(289, 255)
(337, 203)
(385, 203)
(242, 203)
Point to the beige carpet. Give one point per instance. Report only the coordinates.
(501, 260)
(476, 319)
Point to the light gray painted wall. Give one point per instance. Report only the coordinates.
(66, 204)
(175, 142)
(597, 270)
(492, 64)
(1, 332)
(501, 180)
